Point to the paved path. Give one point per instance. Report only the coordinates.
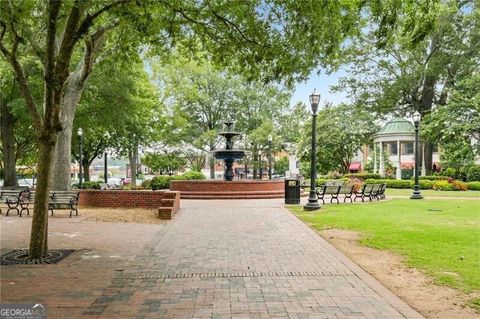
(227, 259)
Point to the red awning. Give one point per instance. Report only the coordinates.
(355, 166)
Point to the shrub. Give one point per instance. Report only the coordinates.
(88, 185)
(322, 181)
(160, 182)
(193, 175)
(425, 184)
(363, 176)
(391, 183)
(334, 175)
(442, 186)
(474, 186)
(450, 172)
(433, 178)
(356, 183)
(459, 186)
(147, 183)
(473, 173)
(26, 172)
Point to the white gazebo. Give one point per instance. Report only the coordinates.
(397, 140)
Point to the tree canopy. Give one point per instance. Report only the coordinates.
(264, 40)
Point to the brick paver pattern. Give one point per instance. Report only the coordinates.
(234, 259)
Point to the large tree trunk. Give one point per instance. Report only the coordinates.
(260, 170)
(62, 178)
(7, 122)
(427, 97)
(255, 162)
(211, 161)
(212, 167)
(38, 237)
(73, 90)
(133, 158)
(86, 171)
(428, 158)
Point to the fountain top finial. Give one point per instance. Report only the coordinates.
(229, 124)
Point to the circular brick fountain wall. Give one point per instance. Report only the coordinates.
(238, 189)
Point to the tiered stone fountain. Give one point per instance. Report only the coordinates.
(228, 188)
(229, 155)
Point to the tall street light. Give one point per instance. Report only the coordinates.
(105, 167)
(416, 189)
(312, 198)
(270, 139)
(105, 159)
(80, 144)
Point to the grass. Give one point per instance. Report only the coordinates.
(432, 193)
(441, 237)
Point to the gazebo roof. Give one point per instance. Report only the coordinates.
(397, 126)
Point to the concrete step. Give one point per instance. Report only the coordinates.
(166, 212)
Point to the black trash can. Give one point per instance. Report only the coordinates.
(292, 191)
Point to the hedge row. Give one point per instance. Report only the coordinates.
(163, 181)
(442, 185)
(363, 176)
(434, 178)
(474, 186)
(88, 185)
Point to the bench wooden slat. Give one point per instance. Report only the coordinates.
(11, 198)
(57, 200)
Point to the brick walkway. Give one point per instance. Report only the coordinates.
(216, 259)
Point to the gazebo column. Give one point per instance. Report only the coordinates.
(382, 162)
(399, 163)
(375, 168)
(423, 171)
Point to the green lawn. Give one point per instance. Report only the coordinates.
(442, 237)
(431, 193)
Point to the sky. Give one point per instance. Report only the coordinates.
(322, 83)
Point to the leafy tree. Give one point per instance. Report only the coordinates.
(341, 131)
(167, 163)
(201, 98)
(456, 125)
(16, 133)
(281, 165)
(116, 98)
(399, 78)
(269, 40)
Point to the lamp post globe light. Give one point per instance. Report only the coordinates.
(80, 142)
(270, 139)
(416, 189)
(312, 198)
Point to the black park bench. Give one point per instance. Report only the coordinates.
(371, 191)
(11, 198)
(56, 200)
(334, 191)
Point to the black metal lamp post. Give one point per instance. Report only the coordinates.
(416, 189)
(312, 198)
(270, 139)
(105, 167)
(80, 159)
(105, 160)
